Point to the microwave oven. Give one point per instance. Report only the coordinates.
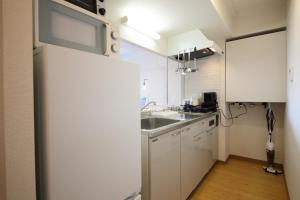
(66, 23)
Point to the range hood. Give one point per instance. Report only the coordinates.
(191, 45)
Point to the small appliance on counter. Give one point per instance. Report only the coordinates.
(210, 104)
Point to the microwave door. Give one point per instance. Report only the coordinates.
(63, 26)
(90, 5)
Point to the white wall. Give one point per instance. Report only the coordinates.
(248, 135)
(292, 131)
(259, 19)
(114, 15)
(207, 79)
(2, 142)
(158, 46)
(223, 10)
(153, 67)
(211, 77)
(175, 84)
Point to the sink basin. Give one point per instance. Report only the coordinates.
(153, 123)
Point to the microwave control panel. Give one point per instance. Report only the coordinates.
(101, 9)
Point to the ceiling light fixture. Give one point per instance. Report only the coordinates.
(140, 29)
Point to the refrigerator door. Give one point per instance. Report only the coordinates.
(88, 126)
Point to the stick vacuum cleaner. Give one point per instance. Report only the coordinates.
(270, 148)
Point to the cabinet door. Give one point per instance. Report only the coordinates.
(256, 69)
(202, 154)
(210, 149)
(165, 166)
(190, 157)
(201, 148)
(215, 144)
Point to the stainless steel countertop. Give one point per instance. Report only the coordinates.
(182, 123)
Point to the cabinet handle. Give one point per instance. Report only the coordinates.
(154, 140)
(197, 139)
(188, 129)
(175, 134)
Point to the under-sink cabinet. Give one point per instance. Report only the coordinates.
(174, 163)
(165, 166)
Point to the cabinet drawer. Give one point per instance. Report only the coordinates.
(203, 124)
(196, 127)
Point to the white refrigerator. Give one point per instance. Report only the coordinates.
(88, 140)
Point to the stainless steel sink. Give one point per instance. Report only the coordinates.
(153, 123)
(186, 116)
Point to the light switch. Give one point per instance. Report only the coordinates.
(291, 74)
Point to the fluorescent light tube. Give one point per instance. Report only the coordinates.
(140, 29)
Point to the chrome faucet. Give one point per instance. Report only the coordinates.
(148, 104)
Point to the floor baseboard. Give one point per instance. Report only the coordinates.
(224, 162)
(277, 165)
(286, 186)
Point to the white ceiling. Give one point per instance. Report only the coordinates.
(171, 17)
(239, 6)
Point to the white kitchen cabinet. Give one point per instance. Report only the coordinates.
(215, 144)
(256, 69)
(212, 141)
(203, 152)
(194, 157)
(190, 165)
(212, 135)
(201, 145)
(165, 166)
(174, 163)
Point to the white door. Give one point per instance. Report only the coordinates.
(165, 166)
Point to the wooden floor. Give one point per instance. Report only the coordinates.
(241, 180)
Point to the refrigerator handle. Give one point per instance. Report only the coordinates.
(134, 196)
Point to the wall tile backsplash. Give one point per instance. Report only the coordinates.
(206, 79)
